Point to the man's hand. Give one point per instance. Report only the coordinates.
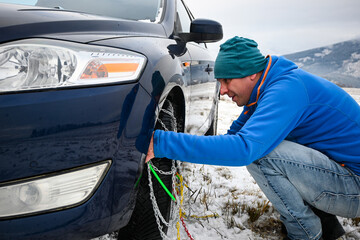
(150, 154)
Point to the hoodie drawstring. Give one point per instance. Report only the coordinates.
(262, 82)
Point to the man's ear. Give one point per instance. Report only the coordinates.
(253, 77)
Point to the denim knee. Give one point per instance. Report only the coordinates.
(319, 180)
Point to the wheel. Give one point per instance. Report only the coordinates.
(143, 225)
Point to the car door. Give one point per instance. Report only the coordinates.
(203, 86)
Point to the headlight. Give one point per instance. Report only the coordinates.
(52, 192)
(41, 64)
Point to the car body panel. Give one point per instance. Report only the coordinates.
(203, 91)
(81, 125)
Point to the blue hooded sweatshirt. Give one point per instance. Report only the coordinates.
(291, 104)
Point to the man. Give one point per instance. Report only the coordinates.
(298, 135)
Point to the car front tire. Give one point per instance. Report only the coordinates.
(143, 225)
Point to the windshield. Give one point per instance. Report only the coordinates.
(140, 10)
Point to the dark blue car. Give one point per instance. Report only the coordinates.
(83, 84)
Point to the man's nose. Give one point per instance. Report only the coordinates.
(223, 89)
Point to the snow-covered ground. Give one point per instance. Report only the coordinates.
(242, 210)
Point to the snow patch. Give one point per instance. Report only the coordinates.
(352, 66)
(325, 52)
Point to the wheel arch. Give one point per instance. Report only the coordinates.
(177, 98)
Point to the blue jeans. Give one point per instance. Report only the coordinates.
(295, 177)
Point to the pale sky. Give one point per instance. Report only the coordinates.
(283, 26)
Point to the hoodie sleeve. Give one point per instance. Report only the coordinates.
(279, 111)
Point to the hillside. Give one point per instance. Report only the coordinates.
(339, 63)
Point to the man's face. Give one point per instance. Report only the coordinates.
(238, 89)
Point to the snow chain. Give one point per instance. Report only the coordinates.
(179, 197)
(180, 214)
(179, 202)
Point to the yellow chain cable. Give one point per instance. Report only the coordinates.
(181, 202)
(181, 195)
(178, 230)
(215, 215)
(181, 191)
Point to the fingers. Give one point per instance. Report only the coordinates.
(150, 154)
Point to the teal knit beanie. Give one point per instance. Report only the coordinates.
(238, 58)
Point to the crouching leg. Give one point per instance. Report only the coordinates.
(297, 179)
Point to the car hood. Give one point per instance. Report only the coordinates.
(21, 22)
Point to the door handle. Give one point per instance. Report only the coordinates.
(209, 69)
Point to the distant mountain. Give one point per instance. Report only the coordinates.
(339, 63)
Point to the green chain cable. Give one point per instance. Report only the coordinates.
(161, 183)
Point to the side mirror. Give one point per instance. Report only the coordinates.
(203, 31)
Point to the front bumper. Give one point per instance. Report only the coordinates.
(51, 131)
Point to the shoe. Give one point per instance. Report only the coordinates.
(284, 232)
(286, 238)
(331, 227)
